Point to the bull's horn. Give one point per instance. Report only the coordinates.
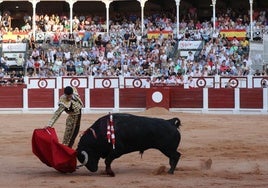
(86, 157)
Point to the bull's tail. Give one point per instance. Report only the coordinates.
(175, 121)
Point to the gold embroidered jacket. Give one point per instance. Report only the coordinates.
(72, 107)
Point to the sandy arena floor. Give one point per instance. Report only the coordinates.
(220, 151)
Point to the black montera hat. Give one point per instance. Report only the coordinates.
(68, 90)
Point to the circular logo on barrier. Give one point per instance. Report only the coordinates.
(201, 82)
(75, 82)
(137, 83)
(40, 36)
(264, 82)
(42, 83)
(233, 82)
(106, 83)
(65, 36)
(157, 97)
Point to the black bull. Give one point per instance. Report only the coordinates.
(132, 133)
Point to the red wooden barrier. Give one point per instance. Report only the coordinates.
(166, 97)
(221, 98)
(102, 98)
(132, 98)
(251, 98)
(11, 96)
(41, 98)
(186, 98)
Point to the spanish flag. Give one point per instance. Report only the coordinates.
(12, 36)
(156, 34)
(240, 34)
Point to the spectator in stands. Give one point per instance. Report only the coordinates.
(172, 79)
(245, 45)
(126, 38)
(64, 36)
(180, 79)
(56, 39)
(224, 69)
(57, 66)
(2, 75)
(3, 63)
(35, 54)
(51, 55)
(190, 56)
(77, 39)
(6, 21)
(27, 27)
(20, 61)
(233, 69)
(132, 38)
(29, 67)
(197, 72)
(76, 22)
(86, 38)
(191, 83)
(67, 55)
(71, 38)
(59, 53)
(18, 39)
(257, 73)
(86, 63)
(32, 42)
(79, 70)
(161, 80)
(146, 83)
(12, 79)
(2, 80)
(20, 79)
(70, 67)
(36, 66)
(98, 41)
(245, 68)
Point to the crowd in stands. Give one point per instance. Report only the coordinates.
(125, 52)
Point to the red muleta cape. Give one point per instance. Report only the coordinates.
(46, 147)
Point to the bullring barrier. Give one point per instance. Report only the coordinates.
(115, 94)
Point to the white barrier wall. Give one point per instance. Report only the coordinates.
(136, 82)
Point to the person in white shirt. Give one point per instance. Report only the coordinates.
(3, 63)
(197, 72)
(86, 64)
(146, 83)
(235, 41)
(191, 83)
(35, 54)
(110, 54)
(84, 54)
(20, 60)
(190, 56)
(67, 54)
(30, 65)
(57, 65)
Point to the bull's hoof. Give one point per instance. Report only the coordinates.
(110, 173)
(170, 172)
